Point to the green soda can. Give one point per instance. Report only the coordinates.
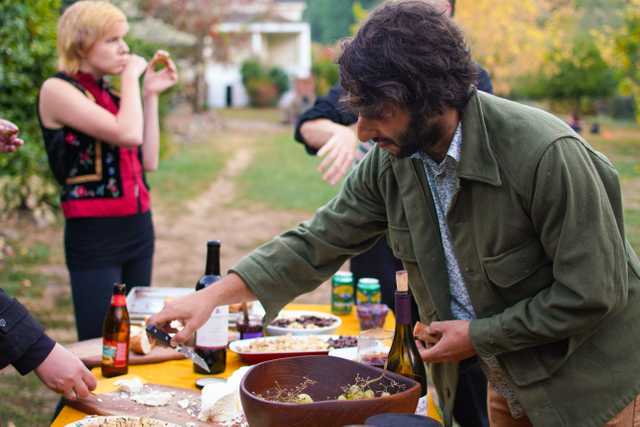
(368, 291)
(342, 292)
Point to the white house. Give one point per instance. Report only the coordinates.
(271, 31)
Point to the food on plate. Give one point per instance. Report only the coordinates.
(292, 344)
(303, 322)
(343, 342)
(120, 421)
(285, 343)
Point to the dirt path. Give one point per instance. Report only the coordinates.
(180, 241)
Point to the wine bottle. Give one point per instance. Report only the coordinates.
(212, 337)
(115, 335)
(404, 358)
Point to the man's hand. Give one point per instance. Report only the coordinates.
(339, 153)
(192, 311)
(64, 373)
(447, 341)
(9, 141)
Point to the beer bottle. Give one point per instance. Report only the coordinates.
(115, 335)
(212, 337)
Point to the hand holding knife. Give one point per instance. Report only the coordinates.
(164, 339)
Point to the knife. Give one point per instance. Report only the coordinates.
(165, 340)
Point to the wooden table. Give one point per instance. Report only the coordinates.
(179, 373)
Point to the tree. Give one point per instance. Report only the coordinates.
(200, 18)
(27, 58)
(581, 76)
(627, 50)
(332, 20)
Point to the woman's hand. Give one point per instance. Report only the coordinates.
(135, 66)
(156, 82)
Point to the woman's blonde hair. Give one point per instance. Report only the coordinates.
(80, 26)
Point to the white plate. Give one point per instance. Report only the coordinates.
(94, 420)
(275, 330)
(349, 353)
(246, 356)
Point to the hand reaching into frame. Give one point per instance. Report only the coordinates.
(9, 140)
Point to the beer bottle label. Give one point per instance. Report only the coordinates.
(215, 332)
(114, 353)
(118, 301)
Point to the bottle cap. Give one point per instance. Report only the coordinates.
(402, 281)
(213, 243)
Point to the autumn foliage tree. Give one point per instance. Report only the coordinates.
(627, 51)
(200, 18)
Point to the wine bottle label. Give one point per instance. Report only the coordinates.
(215, 332)
(118, 301)
(114, 353)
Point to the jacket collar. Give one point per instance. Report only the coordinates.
(478, 161)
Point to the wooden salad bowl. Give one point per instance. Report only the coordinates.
(330, 375)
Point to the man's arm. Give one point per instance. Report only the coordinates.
(298, 260)
(326, 107)
(575, 220)
(24, 344)
(326, 129)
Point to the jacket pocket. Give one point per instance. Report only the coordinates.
(518, 264)
(400, 243)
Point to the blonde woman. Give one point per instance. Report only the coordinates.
(99, 146)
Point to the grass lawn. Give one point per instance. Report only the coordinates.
(283, 176)
(185, 173)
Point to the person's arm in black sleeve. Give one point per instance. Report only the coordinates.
(23, 342)
(326, 107)
(484, 80)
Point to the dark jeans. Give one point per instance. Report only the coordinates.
(470, 406)
(92, 290)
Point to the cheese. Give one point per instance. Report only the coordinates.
(152, 398)
(130, 385)
(221, 401)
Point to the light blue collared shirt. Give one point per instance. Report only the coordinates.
(444, 184)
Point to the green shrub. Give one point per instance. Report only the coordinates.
(27, 58)
(264, 86)
(324, 69)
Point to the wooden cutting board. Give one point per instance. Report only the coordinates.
(90, 352)
(117, 403)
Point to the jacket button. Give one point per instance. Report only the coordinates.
(3, 323)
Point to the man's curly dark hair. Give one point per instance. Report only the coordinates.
(410, 55)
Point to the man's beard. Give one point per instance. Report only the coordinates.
(421, 134)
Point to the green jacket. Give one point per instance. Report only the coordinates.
(538, 231)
